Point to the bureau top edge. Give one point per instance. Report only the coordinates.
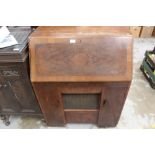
(78, 30)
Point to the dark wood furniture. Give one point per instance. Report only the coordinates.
(16, 93)
(81, 74)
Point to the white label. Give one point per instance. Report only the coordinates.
(16, 49)
(72, 41)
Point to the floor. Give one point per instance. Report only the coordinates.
(139, 108)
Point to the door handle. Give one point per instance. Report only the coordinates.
(104, 102)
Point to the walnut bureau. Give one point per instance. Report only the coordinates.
(81, 74)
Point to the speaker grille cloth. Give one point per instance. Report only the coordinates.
(81, 101)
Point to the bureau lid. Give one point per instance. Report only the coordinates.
(17, 52)
(81, 54)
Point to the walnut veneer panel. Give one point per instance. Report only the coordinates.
(78, 57)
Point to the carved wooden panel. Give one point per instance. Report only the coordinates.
(16, 93)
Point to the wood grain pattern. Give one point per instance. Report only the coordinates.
(81, 116)
(94, 51)
(50, 30)
(89, 58)
(51, 103)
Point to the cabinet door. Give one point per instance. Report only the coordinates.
(9, 102)
(22, 89)
(111, 106)
(50, 102)
(94, 103)
(17, 97)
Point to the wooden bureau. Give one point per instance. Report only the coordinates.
(81, 74)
